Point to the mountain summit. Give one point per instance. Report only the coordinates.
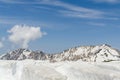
(100, 53)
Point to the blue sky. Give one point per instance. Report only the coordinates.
(68, 23)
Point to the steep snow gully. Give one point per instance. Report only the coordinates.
(80, 63)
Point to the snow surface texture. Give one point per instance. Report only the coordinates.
(44, 70)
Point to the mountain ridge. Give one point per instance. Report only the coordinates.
(99, 53)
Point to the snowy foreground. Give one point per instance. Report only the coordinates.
(43, 70)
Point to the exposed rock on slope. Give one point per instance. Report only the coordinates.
(85, 53)
(22, 54)
(89, 53)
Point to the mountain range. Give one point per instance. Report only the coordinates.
(99, 53)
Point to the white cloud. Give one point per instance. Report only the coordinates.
(1, 44)
(23, 34)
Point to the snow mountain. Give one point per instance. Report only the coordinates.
(22, 54)
(79, 63)
(100, 53)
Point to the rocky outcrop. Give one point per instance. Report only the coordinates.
(22, 54)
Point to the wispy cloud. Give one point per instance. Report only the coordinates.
(96, 24)
(68, 10)
(77, 14)
(11, 1)
(107, 1)
(6, 20)
(42, 7)
(72, 10)
(19, 2)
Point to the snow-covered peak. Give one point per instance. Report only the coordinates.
(90, 53)
(21, 54)
(99, 53)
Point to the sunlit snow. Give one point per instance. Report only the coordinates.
(74, 70)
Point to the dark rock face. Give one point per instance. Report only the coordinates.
(12, 55)
(22, 54)
(85, 53)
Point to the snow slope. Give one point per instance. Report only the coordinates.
(73, 70)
